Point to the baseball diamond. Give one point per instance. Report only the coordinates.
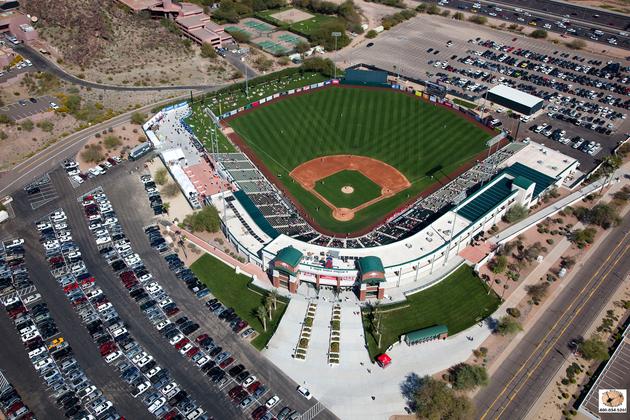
(421, 141)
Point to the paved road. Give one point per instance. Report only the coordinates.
(518, 383)
(43, 63)
(549, 12)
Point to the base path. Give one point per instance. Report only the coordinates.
(390, 179)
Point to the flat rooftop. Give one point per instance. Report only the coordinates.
(137, 5)
(541, 158)
(515, 95)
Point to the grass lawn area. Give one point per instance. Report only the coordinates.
(459, 301)
(235, 291)
(463, 103)
(364, 189)
(202, 126)
(422, 140)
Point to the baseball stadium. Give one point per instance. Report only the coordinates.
(358, 183)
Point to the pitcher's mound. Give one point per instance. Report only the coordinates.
(347, 189)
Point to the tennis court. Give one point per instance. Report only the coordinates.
(232, 29)
(271, 47)
(290, 38)
(258, 25)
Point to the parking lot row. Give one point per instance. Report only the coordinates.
(148, 381)
(204, 352)
(52, 357)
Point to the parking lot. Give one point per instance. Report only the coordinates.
(91, 283)
(575, 86)
(40, 192)
(27, 107)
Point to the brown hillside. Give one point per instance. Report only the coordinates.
(101, 32)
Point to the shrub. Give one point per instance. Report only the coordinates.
(499, 264)
(303, 342)
(239, 36)
(27, 125)
(334, 347)
(508, 325)
(594, 349)
(537, 292)
(138, 118)
(371, 34)
(4, 119)
(515, 213)
(308, 322)
(539, 34)
(576, 44)
(92, 153)
(262, 63)
(3, 135)
(46, 126)
(161, 176)
(208, 51)
(458, 16)
(111, 142)
(170, 190)
(336, 325)
(479, 20)
(514, 312)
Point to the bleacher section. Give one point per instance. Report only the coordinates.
(487, 200)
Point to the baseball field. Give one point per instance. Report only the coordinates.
(420, 140)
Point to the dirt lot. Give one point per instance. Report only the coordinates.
(621, 6)
(292, 16)
(129, 136)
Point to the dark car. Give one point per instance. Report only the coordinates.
(369, 44)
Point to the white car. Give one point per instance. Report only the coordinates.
(168, 388)
(101, 240)
(119, 331)
(29, 336)
(77, 179)
(144, 360)
(31, 298)
(54, 106)
(112, 356)
(248, 381)
(140, 388)
(45, 362)
(176, 339)
(136, 358)
(13, 243)
(305, 392)
(36, 352)
(187, 347)
(43, 225)
(155, 405)
(85, 392)
(202, 361)
(162, 324)
(153, 372)
(271, 402)
(102, 407)
(197, 412)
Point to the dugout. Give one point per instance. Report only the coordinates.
(365, 78)
(514, 99)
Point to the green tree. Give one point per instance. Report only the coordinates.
(92, 153)
(515, 213)
(261, 313)
(208, 51)
(302, 47)
(4, 119)
(138, 118)
(161, 176)
(499, 264)
(508, 325)
(582, 237)
(594, 349)
(467, 377)
(72, 103)
(537, 292)
(323, 37)
(539, 34)
(458, 16)
(433, 9)
(435, 400)
(371, 34)
(239, 36)
(207, 219)
(3, 135)
(421, 8)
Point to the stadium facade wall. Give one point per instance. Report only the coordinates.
(513, 105)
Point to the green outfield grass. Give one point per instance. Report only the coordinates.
(423, 141)
(364, 189)
(202, 126)
(459, 301)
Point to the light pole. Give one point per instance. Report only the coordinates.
(335, 35)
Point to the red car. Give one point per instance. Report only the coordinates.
(234, 391)
(259, 412)
(181, 343)
(201, 337)
(172, 311)
(192, 352)
(227, 362)
(107, 348)
(70, 287)
(253, 387)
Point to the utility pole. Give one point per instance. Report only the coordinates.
(335, 35)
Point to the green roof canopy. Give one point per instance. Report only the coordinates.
(542, 181)
(369, 264)
(521, 181)
(426, 333)
(487, 200)
(290, 256)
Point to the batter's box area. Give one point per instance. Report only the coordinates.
(348, 184)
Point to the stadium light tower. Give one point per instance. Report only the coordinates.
(335, 35)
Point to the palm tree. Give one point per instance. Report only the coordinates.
(269, 305)
(274, 298)
(261, 313)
